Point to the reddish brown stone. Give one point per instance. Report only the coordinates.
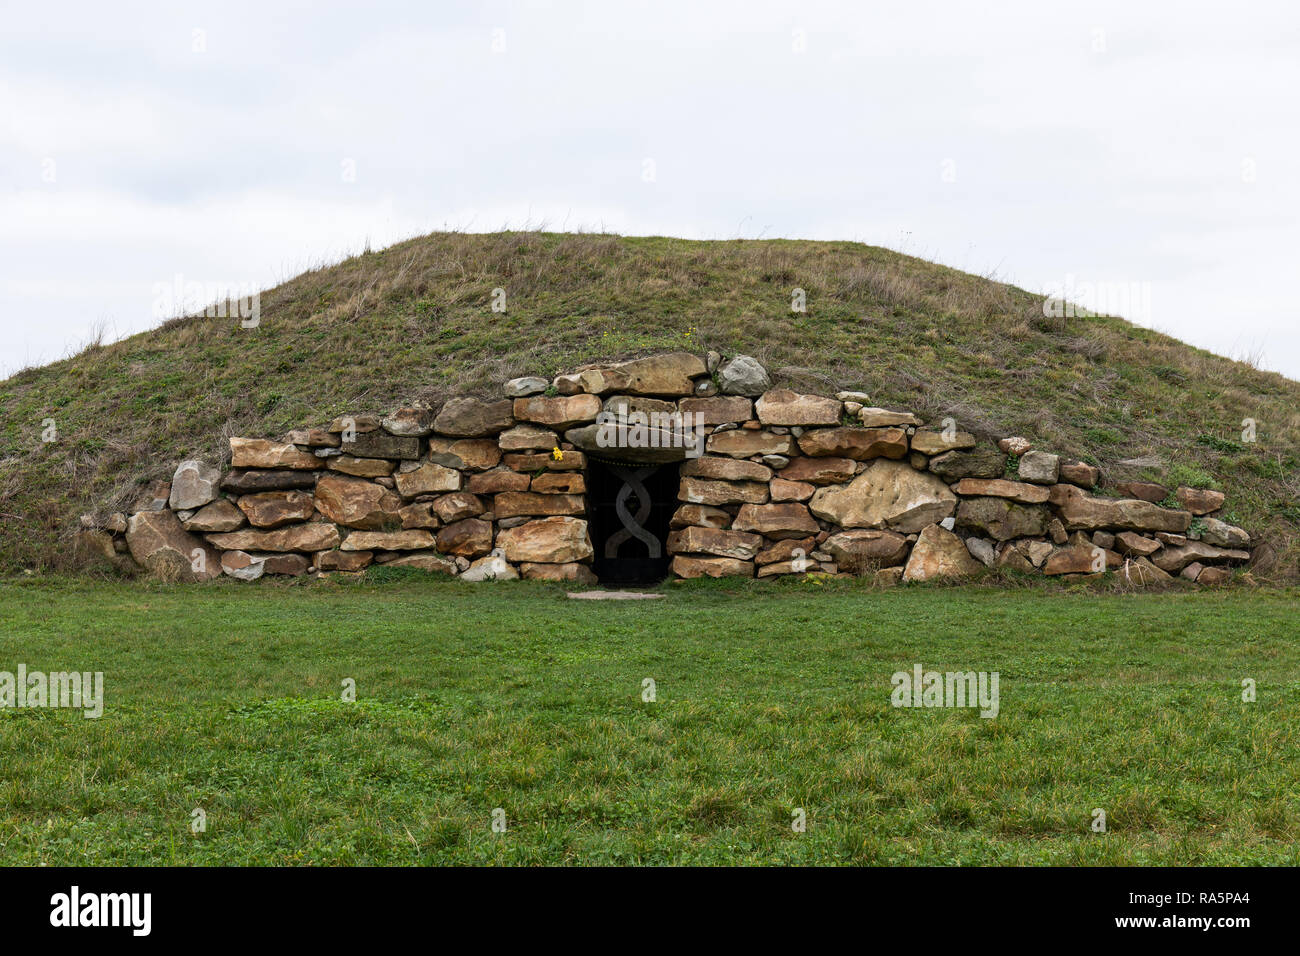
(260, 453)
(568, 461)
(787, 520)
(495, 482)
(726, 544)
(572, 571)
(511, 504)
(819, 471)
(356, 503)
(470, 538)
(344, 560)
(272, 509)
(860, 444)
(1199, 501)
(1142, 490)
(558, 483)
(702, 515)
(686, 566)
(458, 505)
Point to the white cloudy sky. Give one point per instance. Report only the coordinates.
(1143, 150)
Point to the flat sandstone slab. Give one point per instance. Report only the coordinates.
(611, 595)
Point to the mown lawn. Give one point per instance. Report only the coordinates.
(769, 698)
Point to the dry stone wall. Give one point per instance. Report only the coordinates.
(772, 482)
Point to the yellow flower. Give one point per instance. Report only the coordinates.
(557, 454)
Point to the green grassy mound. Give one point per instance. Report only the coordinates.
(415, 322)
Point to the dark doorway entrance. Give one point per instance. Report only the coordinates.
(629, 507)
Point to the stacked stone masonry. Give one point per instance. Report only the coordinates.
(787, 483)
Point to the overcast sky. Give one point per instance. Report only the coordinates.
(1145, 153)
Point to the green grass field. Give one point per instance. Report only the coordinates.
(770, 697)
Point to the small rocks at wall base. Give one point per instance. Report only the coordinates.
(1142, 572)
(1015, 559)
(242, 566)
(491, 568)
(288, 564)
(1214, 576)
(1081, 558)
(981, 549)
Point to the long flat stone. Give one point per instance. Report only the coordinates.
(611, 595)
